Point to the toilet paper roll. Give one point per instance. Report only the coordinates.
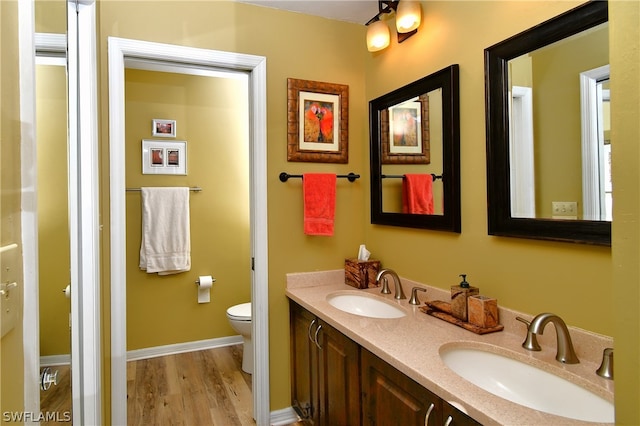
(204, 288)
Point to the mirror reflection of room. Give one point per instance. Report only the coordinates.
(53, 230)
(54, 252)
(559, 170)
(415, 174)
(410, 184)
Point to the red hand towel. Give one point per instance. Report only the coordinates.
(417, 194)
(319, 192)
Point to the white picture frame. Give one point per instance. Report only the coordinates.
(161, 157)
(162, 128)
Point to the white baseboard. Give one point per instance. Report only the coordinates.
(178, 348)
(65, 359)
(286, 416)
(53, 360)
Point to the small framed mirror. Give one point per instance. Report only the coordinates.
(548, 150)
(415, 154)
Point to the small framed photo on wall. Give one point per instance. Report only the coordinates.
(164, 157)
(163, 128)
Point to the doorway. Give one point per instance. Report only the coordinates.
(208, 111)
(121, 53)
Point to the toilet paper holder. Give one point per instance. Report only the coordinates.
(213, 280)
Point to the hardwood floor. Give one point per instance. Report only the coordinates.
(56, 401)
(203, 388)
(195, 388)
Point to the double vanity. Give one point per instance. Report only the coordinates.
(377, 358)
(360, 357)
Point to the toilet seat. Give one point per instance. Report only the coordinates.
(241, 312)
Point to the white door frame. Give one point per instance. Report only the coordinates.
(592, 155)
(119, 51)
(521, 156)
(83, 210)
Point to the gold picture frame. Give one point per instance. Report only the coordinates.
(317, 121)
(405, 132)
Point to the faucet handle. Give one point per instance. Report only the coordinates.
(530, 342)
(606, 368)
(385, 286)
(414, 295)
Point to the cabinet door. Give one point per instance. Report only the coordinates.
(304, 363)
(454, 417)
(391, 398)
(339, 378)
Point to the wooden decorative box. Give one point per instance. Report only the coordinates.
(361, 273)
(483, 311)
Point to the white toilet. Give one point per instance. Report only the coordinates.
(240, 320)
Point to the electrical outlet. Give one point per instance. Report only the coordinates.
(564, 209)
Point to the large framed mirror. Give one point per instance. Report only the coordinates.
(415, 154)
(548, 146)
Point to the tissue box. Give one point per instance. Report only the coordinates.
(361, 273)
(483, 311)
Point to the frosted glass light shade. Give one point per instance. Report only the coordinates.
(378, 36)
(408, 16)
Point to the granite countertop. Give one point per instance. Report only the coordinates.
(412, 343)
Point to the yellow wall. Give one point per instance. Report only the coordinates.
(211, 116)
(572, 280)
(625, 123)
(51, 16)
(53, 215)
(11, 353)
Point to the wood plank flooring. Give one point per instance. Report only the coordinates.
(195, 388)
(203, 388)
(56, 401)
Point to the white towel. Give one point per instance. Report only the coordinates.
(166, 237)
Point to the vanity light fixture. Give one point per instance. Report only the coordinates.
(378, 35)
(408, 15)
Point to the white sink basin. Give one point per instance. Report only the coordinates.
(526, 384)
(365, 305)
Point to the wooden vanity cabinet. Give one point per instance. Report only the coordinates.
(304, 364)
(325, 373)
(336, 382)
(451, 416)
(391, 398)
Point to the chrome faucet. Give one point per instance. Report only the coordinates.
(565, 353)
(385, 284)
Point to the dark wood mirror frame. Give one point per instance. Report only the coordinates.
(501, 222)
(448, 80)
